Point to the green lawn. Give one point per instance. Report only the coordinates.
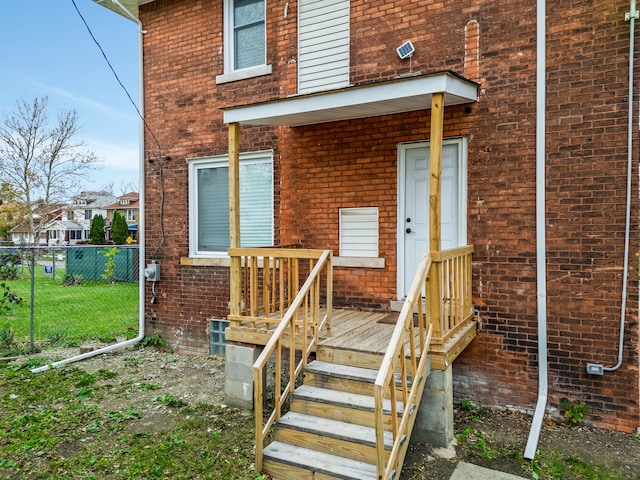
(94, 309)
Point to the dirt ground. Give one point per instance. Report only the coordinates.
(503, 434)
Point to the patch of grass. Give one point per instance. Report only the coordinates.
(93, 309)
(546, 464)
(152, 341)
(479, 443)
(52, 427)
(169, 400)
(477, 412)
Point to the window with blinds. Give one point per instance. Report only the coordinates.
(359, 232)
(209, 203)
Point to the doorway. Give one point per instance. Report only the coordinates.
(413, 204)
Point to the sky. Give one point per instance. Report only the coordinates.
(46, 50)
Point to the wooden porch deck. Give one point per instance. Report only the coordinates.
(357, 338)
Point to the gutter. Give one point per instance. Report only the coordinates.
(141, 236)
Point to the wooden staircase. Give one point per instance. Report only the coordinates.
(329, 432)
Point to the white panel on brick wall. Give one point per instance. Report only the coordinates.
(359, 232)
(323, 45)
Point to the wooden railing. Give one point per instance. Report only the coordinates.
(269, 282)
(298, 330)
(410, 362)
(438, 304)
(450, 281)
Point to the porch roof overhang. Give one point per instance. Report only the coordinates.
(396, 96)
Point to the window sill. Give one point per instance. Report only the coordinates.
(358, 262)
(205, 261)
(243, 74)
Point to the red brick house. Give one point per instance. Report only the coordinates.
(334, 146)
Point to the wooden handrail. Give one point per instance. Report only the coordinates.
(411, 364)
(440, 314)
(302, 324)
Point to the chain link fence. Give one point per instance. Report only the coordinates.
(67, 295)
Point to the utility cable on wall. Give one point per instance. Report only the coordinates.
(160, 154)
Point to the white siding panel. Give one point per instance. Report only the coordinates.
(359, 232)
(323, 44)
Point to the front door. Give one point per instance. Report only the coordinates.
(413, 221)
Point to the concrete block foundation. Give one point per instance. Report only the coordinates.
(434, 421)
(238, 385)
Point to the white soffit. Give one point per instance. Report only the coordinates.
(397, 96)
(130, 5)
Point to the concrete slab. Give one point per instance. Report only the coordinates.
(468, 471)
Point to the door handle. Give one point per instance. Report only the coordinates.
(408, 230)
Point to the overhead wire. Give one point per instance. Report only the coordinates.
(146, 125)
(115, 74)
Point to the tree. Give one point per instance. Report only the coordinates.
(12, 212)
(96, 233)
(42, 159)
(119, 229)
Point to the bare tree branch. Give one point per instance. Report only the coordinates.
(41, 160)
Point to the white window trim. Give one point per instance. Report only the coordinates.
(243, 74)
(265, 156)
(230, 73)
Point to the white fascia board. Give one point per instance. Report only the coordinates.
(397, 96)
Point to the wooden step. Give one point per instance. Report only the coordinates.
(346, 356)
(289, 462)
(329, 436)
(341, 406)
(345, 378)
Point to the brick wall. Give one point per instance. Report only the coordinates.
(319, 169)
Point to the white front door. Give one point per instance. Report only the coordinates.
(413, 211)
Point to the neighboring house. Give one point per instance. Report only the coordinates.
(22, 235)
(127, 205)
(335, 133)
(75, 224)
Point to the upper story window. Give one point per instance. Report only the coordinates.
(87, 215)
(245, 40)
(209, 203)
(130, 214)
(248, 33)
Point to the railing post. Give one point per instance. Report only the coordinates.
(435, 299)
(329, 292)
(234, 217)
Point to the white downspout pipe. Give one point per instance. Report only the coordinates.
(141, 237)
(541, 246)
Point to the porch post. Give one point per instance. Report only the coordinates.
(434, 420)
(435, 174)
(234, 217)
(435, 166)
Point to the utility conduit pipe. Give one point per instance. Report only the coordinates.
(594, 368)
(141, 237)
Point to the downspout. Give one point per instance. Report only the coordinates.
(595, 369)
(541, 247)
(141, 236)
